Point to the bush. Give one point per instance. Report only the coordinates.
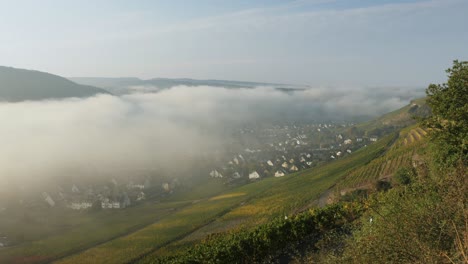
(404, 175)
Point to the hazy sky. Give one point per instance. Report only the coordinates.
(316, 42)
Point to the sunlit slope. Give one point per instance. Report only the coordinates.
(400, 118)
(247, 205)
(403, 153)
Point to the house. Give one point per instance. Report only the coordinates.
(254, 175)
(166, 187)
(215, 174)
(4, 241)
(279, 174)
(270, 163)
(48, 199)
(141, 196)
(302, 159)
(80, 205)
(236, 161)
(136, 186)
(125, 200)
(338, 153)
(332, 156)
(309, 163)
(373, 139)
(348, 141)
(75, 189)
(358, 139)
(293, 168)
(291, 161)
(285, 165)
(236, 175)
(349, 151)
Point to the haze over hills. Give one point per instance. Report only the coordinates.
(126, 85)
(22, 85)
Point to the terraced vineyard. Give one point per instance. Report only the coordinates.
(399, 155)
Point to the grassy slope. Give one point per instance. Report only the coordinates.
(250, 204)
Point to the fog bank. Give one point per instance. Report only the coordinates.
(169, 128)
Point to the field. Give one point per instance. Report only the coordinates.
(62, 232)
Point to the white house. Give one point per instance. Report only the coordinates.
(279, 174)
(270, 163)
(75, 189)
(215, 174)
(373, 139)
(141, 196)
(80, 205)
(254, 175)
(348, 141)
(48, 199)
(285, 165)
(293, 168)
(236, 175)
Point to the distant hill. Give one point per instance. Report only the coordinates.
(131, 84)
(21, 85)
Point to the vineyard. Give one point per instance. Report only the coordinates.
(245, 206)
(283, 198)
(161, 229)
(399, 155)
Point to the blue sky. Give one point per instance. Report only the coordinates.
(316, 42)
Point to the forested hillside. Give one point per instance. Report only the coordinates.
(21, 85)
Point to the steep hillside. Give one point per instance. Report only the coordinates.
(21, 85)
(397, 119)
(403, 153)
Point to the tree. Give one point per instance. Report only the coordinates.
(449, 120)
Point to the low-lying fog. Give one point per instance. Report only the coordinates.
(165, 129)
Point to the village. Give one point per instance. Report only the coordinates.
(253, 154)
(279, 150)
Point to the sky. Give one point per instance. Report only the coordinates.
(315, 42)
